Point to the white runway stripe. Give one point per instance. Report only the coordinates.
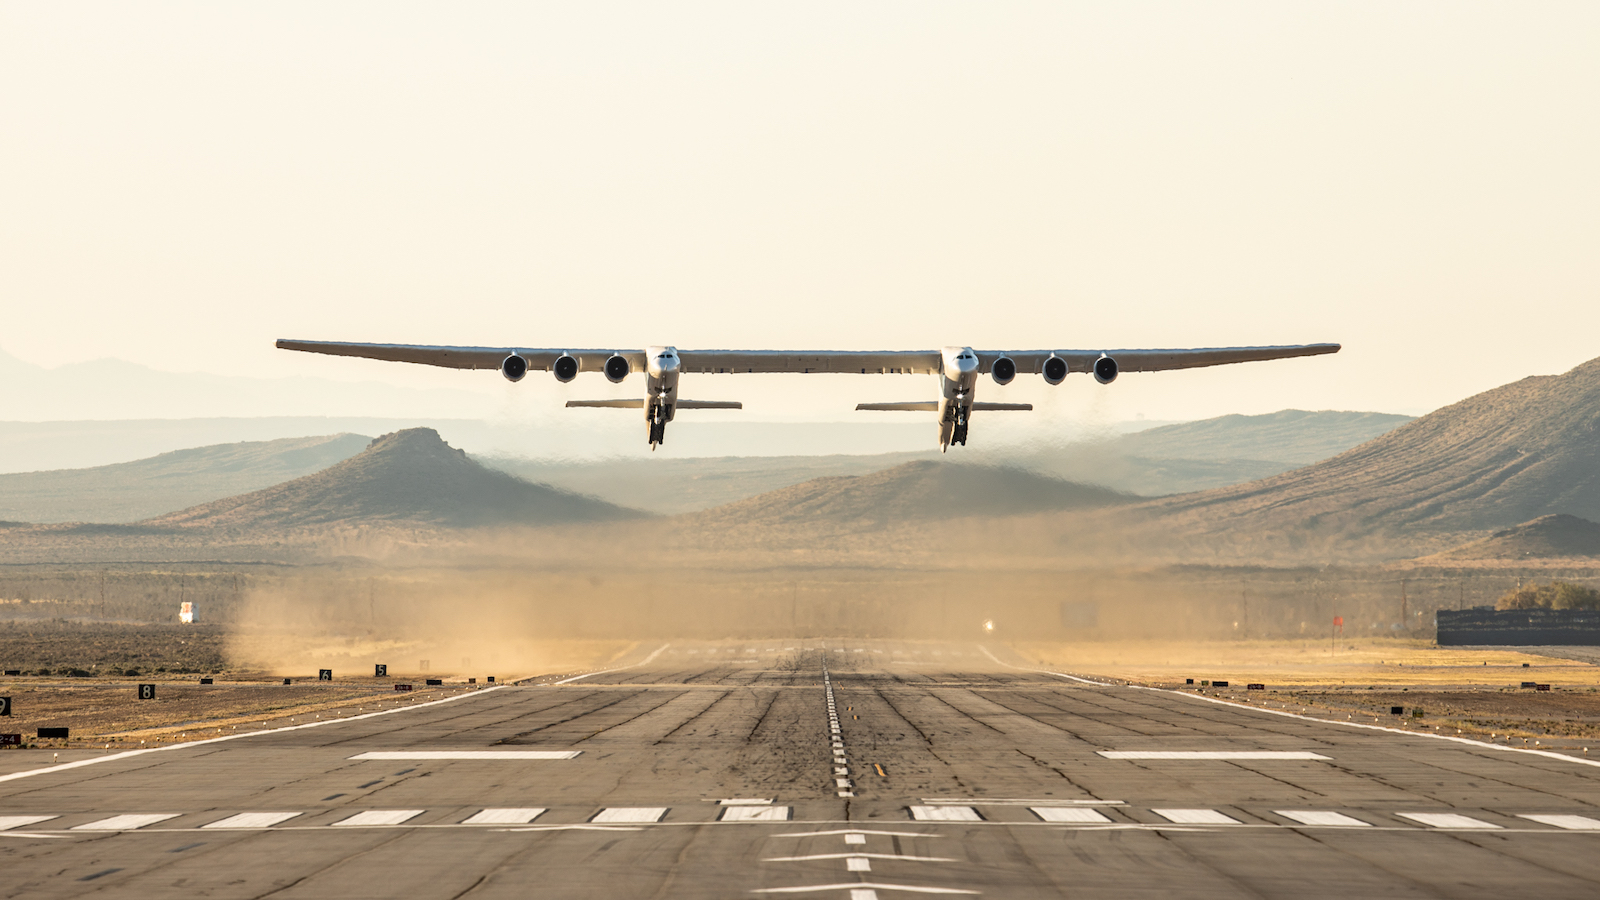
(1077, 814)
(379, 817)
(631, 815)
(1320, 817)
(945, 814)
(1446, 820)
(126, 823)
(1571, 823)
(1195, 817)
(9, 822)
(253, 820)
(468, 754)
(756, 814)
(519, 815)
(1210, 754)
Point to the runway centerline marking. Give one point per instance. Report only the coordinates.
(468, 754)
(858, 854)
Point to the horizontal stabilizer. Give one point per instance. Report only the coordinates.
(914, 406)
(1001, 407)
(709, 404)
(607, 404)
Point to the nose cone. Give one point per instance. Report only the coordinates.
(664, 362)
(959, 361)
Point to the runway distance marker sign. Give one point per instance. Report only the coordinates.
(147, 692)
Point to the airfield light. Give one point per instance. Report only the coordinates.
(988, 626)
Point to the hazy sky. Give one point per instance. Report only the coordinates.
(182, 183)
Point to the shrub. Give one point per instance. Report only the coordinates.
(1555, 595)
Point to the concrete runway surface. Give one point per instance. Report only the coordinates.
(845, 769)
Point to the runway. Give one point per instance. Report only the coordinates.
(849, 769)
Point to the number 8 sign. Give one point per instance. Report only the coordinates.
(147, 692)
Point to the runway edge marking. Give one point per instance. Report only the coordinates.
(646, 661)
(1289, 715)
(127, 754)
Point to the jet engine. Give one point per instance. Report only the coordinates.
(514, 367)
(617, 368)
(565, 368)
(1003, 369)
(1105, 370)
(1055, 370)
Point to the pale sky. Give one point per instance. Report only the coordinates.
(182, 183)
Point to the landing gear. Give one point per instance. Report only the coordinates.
(958, 434)
(658, 424)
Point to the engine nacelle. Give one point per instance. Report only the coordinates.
(1054, 370)
(513, 367)
(1003, 369)
(1105, 370)
(617, 368)
(565, 368)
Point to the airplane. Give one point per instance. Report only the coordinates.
(958, 368)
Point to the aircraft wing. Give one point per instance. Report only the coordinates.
(860, 362)
(911, 362)
(1155, 360)
(463, 357)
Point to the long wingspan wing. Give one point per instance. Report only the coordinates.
(464, 357)
(861, 362)
(912, 362)
(1156, 360)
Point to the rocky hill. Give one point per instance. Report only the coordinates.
(1547, 537)
(409, 476)
(1526, 449)
(128, 492)
(916, 491)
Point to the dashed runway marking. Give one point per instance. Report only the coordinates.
(468, 754)
(253, 820)
(1210, 754)
(630, 815)
(1074, 814)
(945, 814)
(1570, 823)
(1447, 820)
(756, 814)
(9, 822)
(379, 817)
(1196, 817)
(520, 815)
(126, 822)
(1322, 817)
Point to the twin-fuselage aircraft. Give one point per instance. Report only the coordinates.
(958, 369)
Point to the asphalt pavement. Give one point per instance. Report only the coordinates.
(838, 768)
